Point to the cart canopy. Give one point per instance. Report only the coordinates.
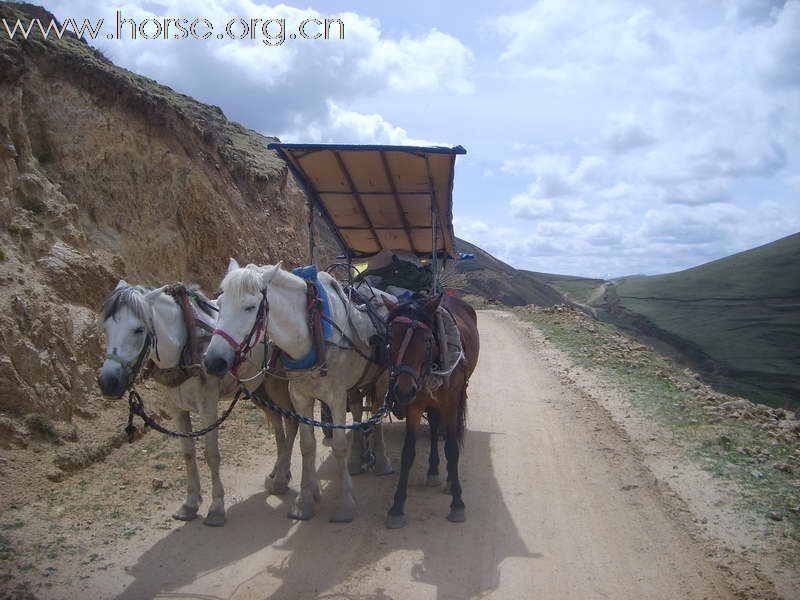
(380, 197)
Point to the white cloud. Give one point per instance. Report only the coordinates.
(345, 126)
(436, 61)
(684, 115)
(272, 88)
(625, 133)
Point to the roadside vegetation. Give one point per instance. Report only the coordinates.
(753, 446)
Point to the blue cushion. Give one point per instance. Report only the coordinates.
(309, 273)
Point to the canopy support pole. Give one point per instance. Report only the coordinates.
(434, 242)
(310, 204)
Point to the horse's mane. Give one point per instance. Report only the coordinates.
(249, 280)
(131, 296)
(413, 309)
(201, 300)
(242, 282)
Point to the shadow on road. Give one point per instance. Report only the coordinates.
(319, 559)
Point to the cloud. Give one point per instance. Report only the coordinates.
(696, 193)
(273, 88)
(691, 225)
(346, 126)
(436, 61)
(673, 123)
(625, 133)
(525, 207)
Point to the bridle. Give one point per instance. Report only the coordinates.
(251, 340)
(398, 367)
(134, 366)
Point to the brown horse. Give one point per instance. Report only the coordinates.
(412, 346)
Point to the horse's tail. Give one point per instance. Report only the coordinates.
(461, 416)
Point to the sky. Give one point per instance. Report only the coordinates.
(603, 138)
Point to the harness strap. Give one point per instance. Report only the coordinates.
(181, 297)
(314, 306)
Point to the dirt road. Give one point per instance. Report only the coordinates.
(558, 506)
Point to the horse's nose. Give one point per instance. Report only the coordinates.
(405, 394)
(111, 384)
(216, 365)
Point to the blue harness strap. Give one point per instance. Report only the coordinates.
(309, 274)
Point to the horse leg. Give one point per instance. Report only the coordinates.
(190, 506)
(346, 510)
(276, 424)
(432, 479)
(457, 512)
(277, 482)
(354, 463)
(216, 512)
(303, 507)
(396, 519)
(383, 464)
(325, 417)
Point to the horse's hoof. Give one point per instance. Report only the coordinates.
(301, 512)
(185, 513)
(355, 468)
(215, 519)
(448, 488)
(278, 487)
(457, 515)
(383, 467)
(433, 481)
(343, 515)
(396, 521)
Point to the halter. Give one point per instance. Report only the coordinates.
(251, 340)
(135, 366)
(398, 367)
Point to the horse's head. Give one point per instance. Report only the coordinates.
(242, 319)
(410, 345)
(128, 324)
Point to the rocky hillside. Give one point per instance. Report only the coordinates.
(105, 175)
(487, 278)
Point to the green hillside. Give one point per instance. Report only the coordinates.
(737, 318)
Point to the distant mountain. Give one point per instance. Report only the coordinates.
(487, 277)
(736, 319)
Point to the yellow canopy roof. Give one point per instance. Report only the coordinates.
(380, 197)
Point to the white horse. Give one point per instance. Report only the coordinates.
(244, 291)
(143, 323)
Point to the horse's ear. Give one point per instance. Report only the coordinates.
(390, 306)
(122, 284)
(269, 274)
(150, 297)
(432, 305)
(232, 265)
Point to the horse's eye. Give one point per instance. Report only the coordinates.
(138, 331)
(250, 308)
